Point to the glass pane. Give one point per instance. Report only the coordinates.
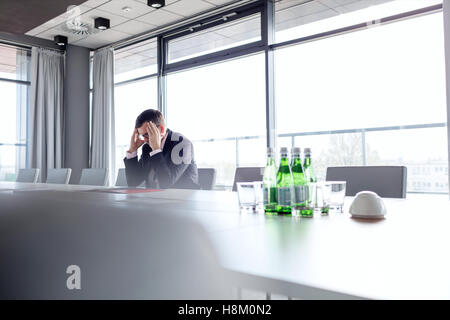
(390, 75)
(12, 158)
(14, 63)
(130, 100)
(220, 155)
(135, 61)
(252, 152)
(13, 111)
(422, 151)
(300, 18)
(218, 38)
(333, 150)
(225, 100)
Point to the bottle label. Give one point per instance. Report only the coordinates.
(301, 194)
(284, 196)
(270, 195)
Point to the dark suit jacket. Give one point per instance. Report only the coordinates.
(174, 167)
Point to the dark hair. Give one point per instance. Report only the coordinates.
(149, 115)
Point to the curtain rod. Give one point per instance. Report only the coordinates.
(156, 32)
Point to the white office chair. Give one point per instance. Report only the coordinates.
(28, 175)
(94, 177)
(58, 176)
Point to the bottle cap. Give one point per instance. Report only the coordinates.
(296, 150)
(283, 150)
(307, 150)
(269, 150)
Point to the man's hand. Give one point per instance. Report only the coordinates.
(154, 136)
(135, 143)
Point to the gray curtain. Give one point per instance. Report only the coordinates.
(103, 142)
(45, 147)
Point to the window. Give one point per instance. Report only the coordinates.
(370, 97)
(136, 89)
(221, 109)
(224, 36)
(135, 61)
(300, 18)
(14, 88)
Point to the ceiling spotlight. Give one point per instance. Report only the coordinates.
(101, 23)
(126, 9)
(157, 4)
(60, 40)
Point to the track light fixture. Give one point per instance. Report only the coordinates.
(157, 4)
(61, 41)
(101, 23)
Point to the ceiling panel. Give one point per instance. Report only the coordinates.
(44, 27)
(136, 8)
(96, 13)
(195, 6)
(134, 27)
(160, 17)
(95, 3)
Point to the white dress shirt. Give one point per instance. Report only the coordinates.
(131, 155)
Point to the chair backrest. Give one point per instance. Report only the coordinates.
(247, 174)
(94, 177)
(158, 255)
(207, 178)
(121, 178)
(386, 181)
(28, 175)
(59, 176)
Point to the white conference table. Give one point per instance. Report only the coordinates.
(404, 256)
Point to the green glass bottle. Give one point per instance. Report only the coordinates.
(300, 198)
(284, 184)
(308, 168)
(311, 180)
(270, 183)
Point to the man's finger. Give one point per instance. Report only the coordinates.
(149, 129)
(154, 127)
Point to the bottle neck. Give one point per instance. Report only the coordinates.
(296, 157)
(284, 161)
(270, 160)
(307, 161)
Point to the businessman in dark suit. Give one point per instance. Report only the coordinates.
(167, 159)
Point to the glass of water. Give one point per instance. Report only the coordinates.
(250, 196)
(337, 195)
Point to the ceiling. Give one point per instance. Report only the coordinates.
(123, 24)
(142, 18)
(19, 16)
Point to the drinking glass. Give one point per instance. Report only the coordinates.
(337, 195)
(323, 197)
(250, 195)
